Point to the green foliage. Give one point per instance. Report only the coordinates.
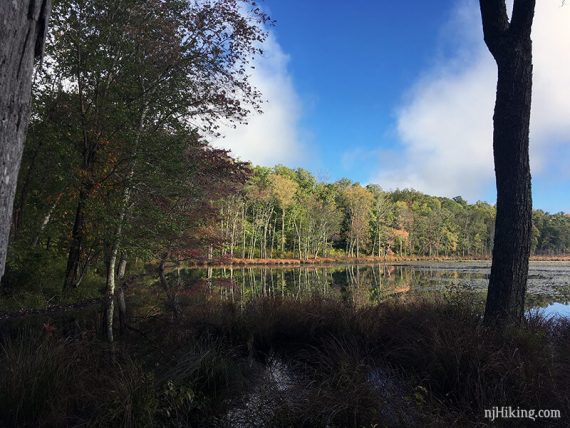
(33, 280)
(345, 218)
(115, 161)
(34, 270)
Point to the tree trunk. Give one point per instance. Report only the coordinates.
(23, 27)
(511, 46)
(72, 273)
(233, 235)
(282, 231)
(110, 295)
(272, 238)
(243, 231)
(172, 302)
(121, 293)
(46, 220)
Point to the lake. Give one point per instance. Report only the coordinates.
(548, 282)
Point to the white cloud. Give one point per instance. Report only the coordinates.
(445, 123)
(272, 137)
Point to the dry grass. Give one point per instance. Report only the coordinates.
(284, 363)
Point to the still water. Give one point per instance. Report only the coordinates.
(548, 283)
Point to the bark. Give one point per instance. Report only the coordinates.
(272, 238)
(172, 302)
(511, 46)
(233, 235)
(243, 232)
(23, 26)
(110, 295)
(162, 276)
(282, 231)
(72, 271)
(125, 206)
(121, 293)
(122, 268)
(46, 220)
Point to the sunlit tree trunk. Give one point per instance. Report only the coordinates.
(243, 245)
(282, 231)
(46, 220)
(110, 294)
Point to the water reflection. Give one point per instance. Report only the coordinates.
(364, 284)
(556, 310)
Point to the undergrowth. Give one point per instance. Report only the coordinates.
(280, 362)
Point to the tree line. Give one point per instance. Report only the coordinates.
(283, 212)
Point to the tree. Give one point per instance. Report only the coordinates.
(381, 210)
(135, 66)
(359, 202)
(284, 190)
(22, 33)
(510, 44)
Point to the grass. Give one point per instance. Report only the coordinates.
(284, 363)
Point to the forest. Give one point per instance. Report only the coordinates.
(105, 318)
(258, 213)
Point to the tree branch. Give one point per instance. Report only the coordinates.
(495, 21)
(523, 14)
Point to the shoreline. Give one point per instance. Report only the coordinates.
(225, 262)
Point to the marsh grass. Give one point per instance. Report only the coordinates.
(280, 362)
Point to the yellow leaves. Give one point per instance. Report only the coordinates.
(283, 189)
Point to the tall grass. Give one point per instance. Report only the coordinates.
(279, 362)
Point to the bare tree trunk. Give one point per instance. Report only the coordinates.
(511, 46)
(119, 232)
(72, 271)
(243, 231)
(282, 231)
(272, 238)
(121, 293)
(233, 236)
(171, 295)
(110, 295)
(47, 218)
(23, 26)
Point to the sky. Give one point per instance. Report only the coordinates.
(401, 94)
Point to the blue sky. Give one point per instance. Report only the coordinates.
(401, 94)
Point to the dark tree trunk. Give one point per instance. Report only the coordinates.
(72, 271)
(23, 26)
(511, 46)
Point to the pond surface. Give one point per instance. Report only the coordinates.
(548, 283)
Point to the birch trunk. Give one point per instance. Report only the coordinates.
(110, 295)
(46, 221)
(119, 231)
(282, 231)
(121, 293)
